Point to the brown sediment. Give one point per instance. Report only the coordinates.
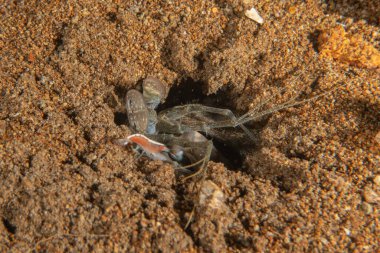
(336, 44)
(308, 184)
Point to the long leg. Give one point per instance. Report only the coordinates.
(265, 101)
(202, 169)
(197, 117)
(252, 115)
(181, 111)
(203, 162)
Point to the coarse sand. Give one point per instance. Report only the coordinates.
(309, 184)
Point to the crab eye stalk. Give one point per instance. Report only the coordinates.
(154, 92)
(137, 111)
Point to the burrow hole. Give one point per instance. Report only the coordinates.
(189, 91)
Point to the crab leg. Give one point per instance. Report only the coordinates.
(252, 115)
(203, 162)
(196, 117)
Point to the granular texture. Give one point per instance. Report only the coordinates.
(308, 183)
(335, 43)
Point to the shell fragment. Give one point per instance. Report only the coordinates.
(254, 15)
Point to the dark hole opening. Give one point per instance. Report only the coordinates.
(9, 226)
(190, 91)
(120, 118)
(231, 157)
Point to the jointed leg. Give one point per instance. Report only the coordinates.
(252, 115)
(203, 169)
(178, 112)
(203, 162)
(201, 118)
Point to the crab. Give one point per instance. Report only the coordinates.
(176, 134)
(150, 129)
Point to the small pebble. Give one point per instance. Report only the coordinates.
(377, 137)
(292, 10)
(215, 10)
(376, 180)
(347, 231)
(367, 208)
(370, 196)
(254, 15)
(211, 195)
(3, 126)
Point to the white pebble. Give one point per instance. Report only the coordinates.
(376, 180)
(254, 15)
(371, 196)
(211, 195)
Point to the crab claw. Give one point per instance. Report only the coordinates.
(121, 142)
(153, 149)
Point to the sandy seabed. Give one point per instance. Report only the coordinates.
(311, 182)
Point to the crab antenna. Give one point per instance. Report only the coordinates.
(266, 101)
(255, 113)
(247, 132)
(250, 116)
